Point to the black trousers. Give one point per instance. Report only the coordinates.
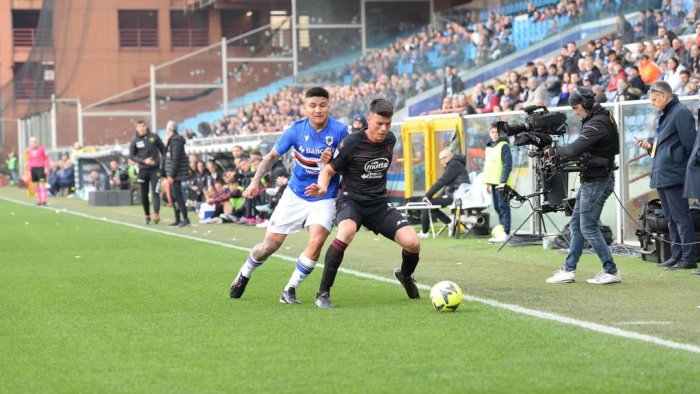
(680, 223)
(178, 200)
(150, 178)
(435, 213)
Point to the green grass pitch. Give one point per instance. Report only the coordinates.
(92, 306)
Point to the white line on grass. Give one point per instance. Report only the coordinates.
(497, 304)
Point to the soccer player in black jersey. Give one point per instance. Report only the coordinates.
(363, 159)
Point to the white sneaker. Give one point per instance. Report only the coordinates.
(262, 224)
(604, 278)
(423, 235)
(499, 240)
(562, 276)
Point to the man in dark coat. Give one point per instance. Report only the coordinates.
(692, 178)
(455, 174)
(671, 149)
(452, 84)
(176, 169)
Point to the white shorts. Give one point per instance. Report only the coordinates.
(293, 212)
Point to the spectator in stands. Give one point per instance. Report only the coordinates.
(67, 179)
(635, 80)
(599, 94)
(537, 94)
(118, 177)
(684, 84)
(664, 52)
(359, 123)
(679, 51)
(693, 86)
(478, 95)
(97, 181)
(197, 183)
(670, 152)
(590, 71)
(625, 92)
(55, 171)
(616, 73)
(553, 85)
(693, 63)
(648, 70)
(12, 165)
(452, 83)
(491, 100)
(237, 151)
(624, 28)
(672, 74)
(571, 63)
(214, 173)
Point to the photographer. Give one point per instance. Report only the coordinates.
(598, 144)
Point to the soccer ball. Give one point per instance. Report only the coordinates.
(446, 296)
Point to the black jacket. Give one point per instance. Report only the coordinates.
(176, 163)
(456, 83)
(141, 148)
(455, 174)
(598, 144)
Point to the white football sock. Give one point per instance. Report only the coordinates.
(304, 267)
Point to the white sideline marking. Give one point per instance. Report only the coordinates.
(497, 304)
(645, 323)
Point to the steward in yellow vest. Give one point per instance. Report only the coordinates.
(498, 163)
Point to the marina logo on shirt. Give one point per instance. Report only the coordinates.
(329, 140)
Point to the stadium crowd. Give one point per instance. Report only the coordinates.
(405, 68)
(661, 44)
(214, 192)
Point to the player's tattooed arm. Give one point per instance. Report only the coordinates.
(265, 166)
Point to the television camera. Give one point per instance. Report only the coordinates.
(541, 129)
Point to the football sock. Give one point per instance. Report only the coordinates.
(334, 256)
(42, 193)
(249, 266)
(304, 267)
(409, 262)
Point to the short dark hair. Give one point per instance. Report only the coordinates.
(317, 92)
(381, 107)
(140, 122)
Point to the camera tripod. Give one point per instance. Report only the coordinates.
(538, 210)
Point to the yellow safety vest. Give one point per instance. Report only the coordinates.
(493, 166)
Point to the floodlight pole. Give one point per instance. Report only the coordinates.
(53, 122)
(80, 123)
(363, 29)
(295, 49)
(224, 75)
(153, 99)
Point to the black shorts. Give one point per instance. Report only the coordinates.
(38, 174)
(379, 217)
(148, 175)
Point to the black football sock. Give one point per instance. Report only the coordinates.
(409, 262)
(334, 256)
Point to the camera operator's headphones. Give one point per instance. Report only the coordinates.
(584, 96)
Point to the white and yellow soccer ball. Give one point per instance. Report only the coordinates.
(446, 296)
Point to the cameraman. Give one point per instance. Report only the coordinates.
(598, 144)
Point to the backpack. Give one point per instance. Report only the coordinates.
(561, 241)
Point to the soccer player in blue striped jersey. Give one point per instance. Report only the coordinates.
(312, 140)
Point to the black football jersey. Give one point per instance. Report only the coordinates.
(364, 165)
